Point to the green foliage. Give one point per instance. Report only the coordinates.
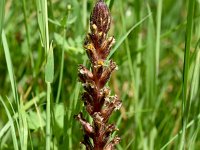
(72, 45)
(2, 13)
(157, 51)
(49, 69)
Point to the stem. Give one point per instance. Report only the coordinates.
(186, 71)
(28, 35)
(61, 69)
(48, 119)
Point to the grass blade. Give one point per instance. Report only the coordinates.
(158, 34)
(48, 117)
(181, 132)
(186, 71)
(9, 66)
(2, 13)
(49, 75)
(49, 70)
(123, 38)
(61, 70)
(14, 137)
(150, 62)
(42, 15)
(26, 107)
(27, 33)
(23, 126)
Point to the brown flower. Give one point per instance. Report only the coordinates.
(100, 17)
(97, 99)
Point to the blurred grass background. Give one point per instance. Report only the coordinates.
(158, 55)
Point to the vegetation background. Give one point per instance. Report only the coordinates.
(158, 55)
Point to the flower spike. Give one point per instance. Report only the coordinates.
(97, 99)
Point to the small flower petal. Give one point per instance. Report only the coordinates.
(86, 126)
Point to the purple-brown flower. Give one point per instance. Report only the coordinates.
(97, 99)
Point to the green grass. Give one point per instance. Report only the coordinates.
(157, 50)
(2, 13)
(186, 67)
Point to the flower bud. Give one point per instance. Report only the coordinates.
(100, 17)
(86, 126)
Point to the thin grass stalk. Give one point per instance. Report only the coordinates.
(18, 125)
(12, 78)
(2, 13)
(23, 126)
(194, 94)
(138, 78)
(10, 67)
(49, 75)
(150, 62)
(138, 12)
(48, 118)
(130, 62)
(65, 26)
(16, 115)
(189, 28)
(13, 132)
(61, 67)
(84, 19)
(196, 119)
(28, 35)
(158, 42)
(158, 33)
(42, 13)
(123, 37)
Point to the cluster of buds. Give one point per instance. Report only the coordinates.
(97, 99)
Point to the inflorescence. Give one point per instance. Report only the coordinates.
(96, 97)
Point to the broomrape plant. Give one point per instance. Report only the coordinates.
(97, 99)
